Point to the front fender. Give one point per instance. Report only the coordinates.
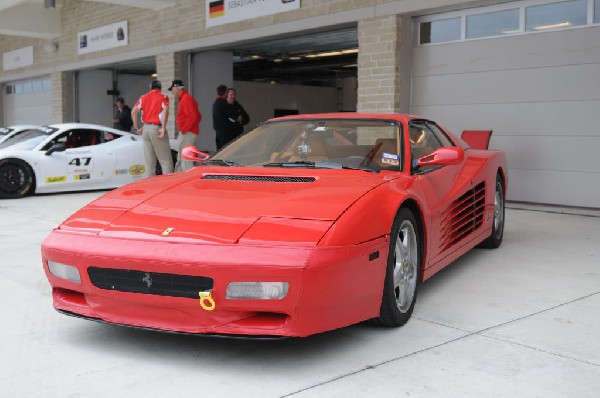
(371, 216)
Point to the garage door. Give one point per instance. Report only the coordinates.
(28, 102)
(538, 91)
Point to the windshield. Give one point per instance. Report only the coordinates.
(321, 143)
(26, 140)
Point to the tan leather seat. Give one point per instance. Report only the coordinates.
(318, 148)
(385, 145)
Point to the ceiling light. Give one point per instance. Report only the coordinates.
(333, 53)
(552, 26)
(325, 54)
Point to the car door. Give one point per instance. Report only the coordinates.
(85, 161)
(440, 185)
(91, 162)
(51, 166)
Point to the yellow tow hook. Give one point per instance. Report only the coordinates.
(204, 297)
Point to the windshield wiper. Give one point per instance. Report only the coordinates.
(300, 163)
(317, 165)
(221, 162)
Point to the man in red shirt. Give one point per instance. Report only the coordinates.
(154, 106)
(188, 120)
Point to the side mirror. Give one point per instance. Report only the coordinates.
(56, 147)
(192, 153)
(444, 156)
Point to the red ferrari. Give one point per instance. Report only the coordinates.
(305, 224)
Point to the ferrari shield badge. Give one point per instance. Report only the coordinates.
(167, 231)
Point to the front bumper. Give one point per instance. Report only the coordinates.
(328, 287)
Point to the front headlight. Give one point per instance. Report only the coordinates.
(257, 290)
(64, 271)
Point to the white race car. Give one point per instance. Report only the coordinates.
(71, 157)
(10, 131)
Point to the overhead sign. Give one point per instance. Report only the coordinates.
(219, 12)
(18, 58)
(103, 38)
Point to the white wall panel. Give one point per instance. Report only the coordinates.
(2, 108)
(550, 153)
(95, 105)
(532, 50)
(30, 108)
(554, 187)
(261, 99)
(540, 93)
(209, 70)
(132, 87)
(554, 83)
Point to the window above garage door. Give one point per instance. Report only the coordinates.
(506, 19)
(29, 86)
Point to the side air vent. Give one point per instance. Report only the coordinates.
(154, 283)
(258, 178)
(463, 216)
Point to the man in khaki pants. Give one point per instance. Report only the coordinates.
(154, 106)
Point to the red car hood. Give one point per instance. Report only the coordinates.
(224, 207)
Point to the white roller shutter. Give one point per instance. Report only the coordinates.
(539, 92)
(28, 102)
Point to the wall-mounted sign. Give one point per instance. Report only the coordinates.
(17, 58)
(220, 12)
(103, 38)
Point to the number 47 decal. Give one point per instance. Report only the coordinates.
(80, 162)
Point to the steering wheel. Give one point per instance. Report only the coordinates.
(368, 158)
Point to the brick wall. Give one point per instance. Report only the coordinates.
(157, 33)
(150, 29)
(62, 98)
(379, 41)
(168, 68)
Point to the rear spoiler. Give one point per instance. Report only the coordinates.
(477, 139)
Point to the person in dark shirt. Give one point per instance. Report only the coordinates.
(122, 120)
(229, 117)
(218, 114)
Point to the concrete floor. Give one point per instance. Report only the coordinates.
(519, 321)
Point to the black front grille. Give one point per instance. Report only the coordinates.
(149, 282)
(258, 178)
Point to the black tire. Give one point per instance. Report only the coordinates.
(495, 238)
(403, 271)
(16, 179)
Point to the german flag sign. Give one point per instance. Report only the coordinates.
(216, 9)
